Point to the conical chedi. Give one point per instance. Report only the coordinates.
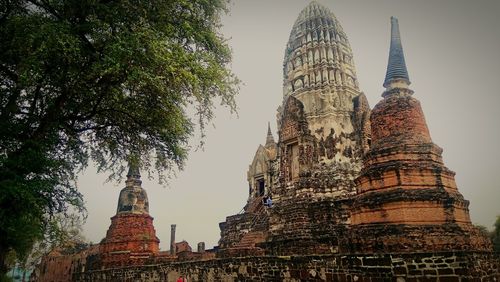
(407, 200)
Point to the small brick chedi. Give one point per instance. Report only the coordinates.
(130, 241)
(345, 194)
(131, 238)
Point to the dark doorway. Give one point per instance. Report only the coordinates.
(260, 184)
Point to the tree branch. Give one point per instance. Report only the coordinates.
(46, 6)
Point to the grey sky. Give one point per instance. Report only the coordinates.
(452, 54)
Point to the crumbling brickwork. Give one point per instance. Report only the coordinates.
(132, 232)
(407, 200)
(318, 226)
(241, 233)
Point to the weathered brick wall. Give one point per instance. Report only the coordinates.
(131, 239)
(398, 118)
(189, 256)
(410, 206)
(449, 266)
(233, 229)
(57, 267)
(414, 238)
(240, 233)
(307, 226)
(134, 232)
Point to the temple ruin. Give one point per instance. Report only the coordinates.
(358, 194)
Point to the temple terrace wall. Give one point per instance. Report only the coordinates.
(448, 266)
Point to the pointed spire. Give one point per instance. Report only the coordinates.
(133, 170)
(270, 138)
(396, 67)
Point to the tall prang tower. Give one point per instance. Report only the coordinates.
(323, 122)
(323, 133)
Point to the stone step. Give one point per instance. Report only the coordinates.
(250, 239)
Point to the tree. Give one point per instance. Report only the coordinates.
(495, 235)
(64, 233)
(111, 81)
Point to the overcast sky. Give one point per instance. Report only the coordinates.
(452, 54)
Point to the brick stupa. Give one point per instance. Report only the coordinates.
(407, 200)
(131, 238)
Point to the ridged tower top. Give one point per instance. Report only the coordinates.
(396, 66)
(314, 10)
(317, 55)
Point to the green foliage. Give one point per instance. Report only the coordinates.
(63, 232)
(5, 278)
(100, 80)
